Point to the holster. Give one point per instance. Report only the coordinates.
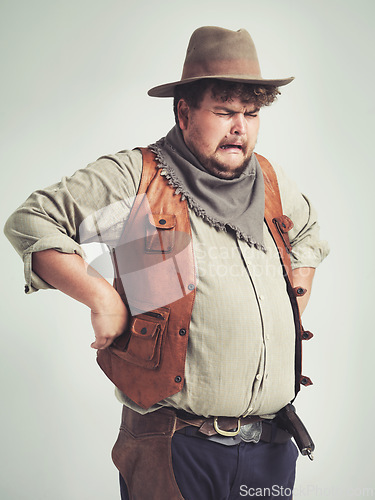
(290, 421)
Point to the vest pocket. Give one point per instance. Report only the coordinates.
(160, 233)
(141, 345)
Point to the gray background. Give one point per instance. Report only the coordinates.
(73, 87)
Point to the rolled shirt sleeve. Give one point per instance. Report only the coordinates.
(308, 249)
(90, 203)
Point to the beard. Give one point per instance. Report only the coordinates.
(219, 169)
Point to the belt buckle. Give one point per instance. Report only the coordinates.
(251, 433)
(227, 433)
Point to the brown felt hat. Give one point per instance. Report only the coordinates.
(219, 53)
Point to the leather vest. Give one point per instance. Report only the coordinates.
(155, 276)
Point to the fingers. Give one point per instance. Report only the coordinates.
(102, 343)
(107, 326)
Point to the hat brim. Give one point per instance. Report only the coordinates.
(167, 90)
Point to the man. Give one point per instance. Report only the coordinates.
(201, 333)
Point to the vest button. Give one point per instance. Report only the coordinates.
(162, 221)
(300, 291)
(305, 335)
(144, 331)
(191, 286)
(178, 379)
(182, 332)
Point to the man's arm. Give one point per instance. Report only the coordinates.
(303, 277)
(92, 205)
(72, 275)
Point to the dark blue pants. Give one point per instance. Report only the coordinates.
(206, 470)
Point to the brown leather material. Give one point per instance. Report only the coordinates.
(163, 240)
(275, 220)
(307, 335)
(147, 362)
(273, 214)
(306, 381)
(299, 291)
(290, 421)
(206, 425)
(149, 367)
(279, 437)
(284, 224)
(143, 347)
(275, 435)
(142, 454)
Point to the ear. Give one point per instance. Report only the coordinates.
(183, 114)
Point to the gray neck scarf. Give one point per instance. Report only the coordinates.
(222, 203)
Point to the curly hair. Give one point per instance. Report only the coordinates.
(193, 93)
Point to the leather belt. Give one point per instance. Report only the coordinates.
(226, 430)
(270, 433)
(226, 426)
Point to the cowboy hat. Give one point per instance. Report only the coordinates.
(222, 54)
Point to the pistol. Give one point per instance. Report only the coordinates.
(291, 422)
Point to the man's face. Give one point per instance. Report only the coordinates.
(222, 135)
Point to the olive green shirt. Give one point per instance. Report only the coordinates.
(240, 357)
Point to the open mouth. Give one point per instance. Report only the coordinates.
(232, 146)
